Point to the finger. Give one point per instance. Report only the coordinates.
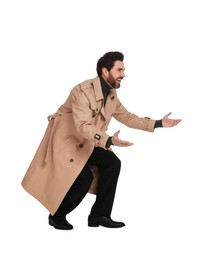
(116, 133)
(177, 121)
(167, 115)
(126, 143)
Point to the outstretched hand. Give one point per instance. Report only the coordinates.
(118, 142)
(168, 122)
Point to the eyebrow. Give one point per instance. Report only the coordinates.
(119, 68)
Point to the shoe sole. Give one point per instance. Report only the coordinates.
(61, 228)
(93, 225)
(97, 225)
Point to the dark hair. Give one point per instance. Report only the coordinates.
(107, 61)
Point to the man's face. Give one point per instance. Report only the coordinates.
(116, 74)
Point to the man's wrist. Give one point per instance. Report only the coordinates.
(158, 123)
(109, 142)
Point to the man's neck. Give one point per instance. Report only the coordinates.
(106, 82)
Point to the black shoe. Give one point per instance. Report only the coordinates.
(95, 221)
(62, 224)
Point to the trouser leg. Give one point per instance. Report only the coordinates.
(75, 194)
(109, 165)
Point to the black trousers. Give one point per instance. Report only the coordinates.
(109, 165)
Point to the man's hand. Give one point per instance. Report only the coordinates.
(167, 122)
(118, 142)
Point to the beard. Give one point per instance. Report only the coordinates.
(115, 83)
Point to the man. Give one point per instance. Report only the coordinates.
(76, 145)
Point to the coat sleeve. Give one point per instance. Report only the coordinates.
(83, 117)
(131, 120)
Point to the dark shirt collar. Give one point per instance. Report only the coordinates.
(106, 88)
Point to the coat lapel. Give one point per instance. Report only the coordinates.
(109, 107)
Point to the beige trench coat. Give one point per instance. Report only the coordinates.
(73, 131)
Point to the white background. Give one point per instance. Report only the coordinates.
(46, 48)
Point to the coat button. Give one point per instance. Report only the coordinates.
(71, 160)
(81, 145)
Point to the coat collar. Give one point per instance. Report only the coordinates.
(97, 88)
(105, 111)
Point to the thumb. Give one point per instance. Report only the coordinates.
(167, 115)
(116, 133)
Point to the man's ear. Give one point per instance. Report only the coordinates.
(105, 72)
